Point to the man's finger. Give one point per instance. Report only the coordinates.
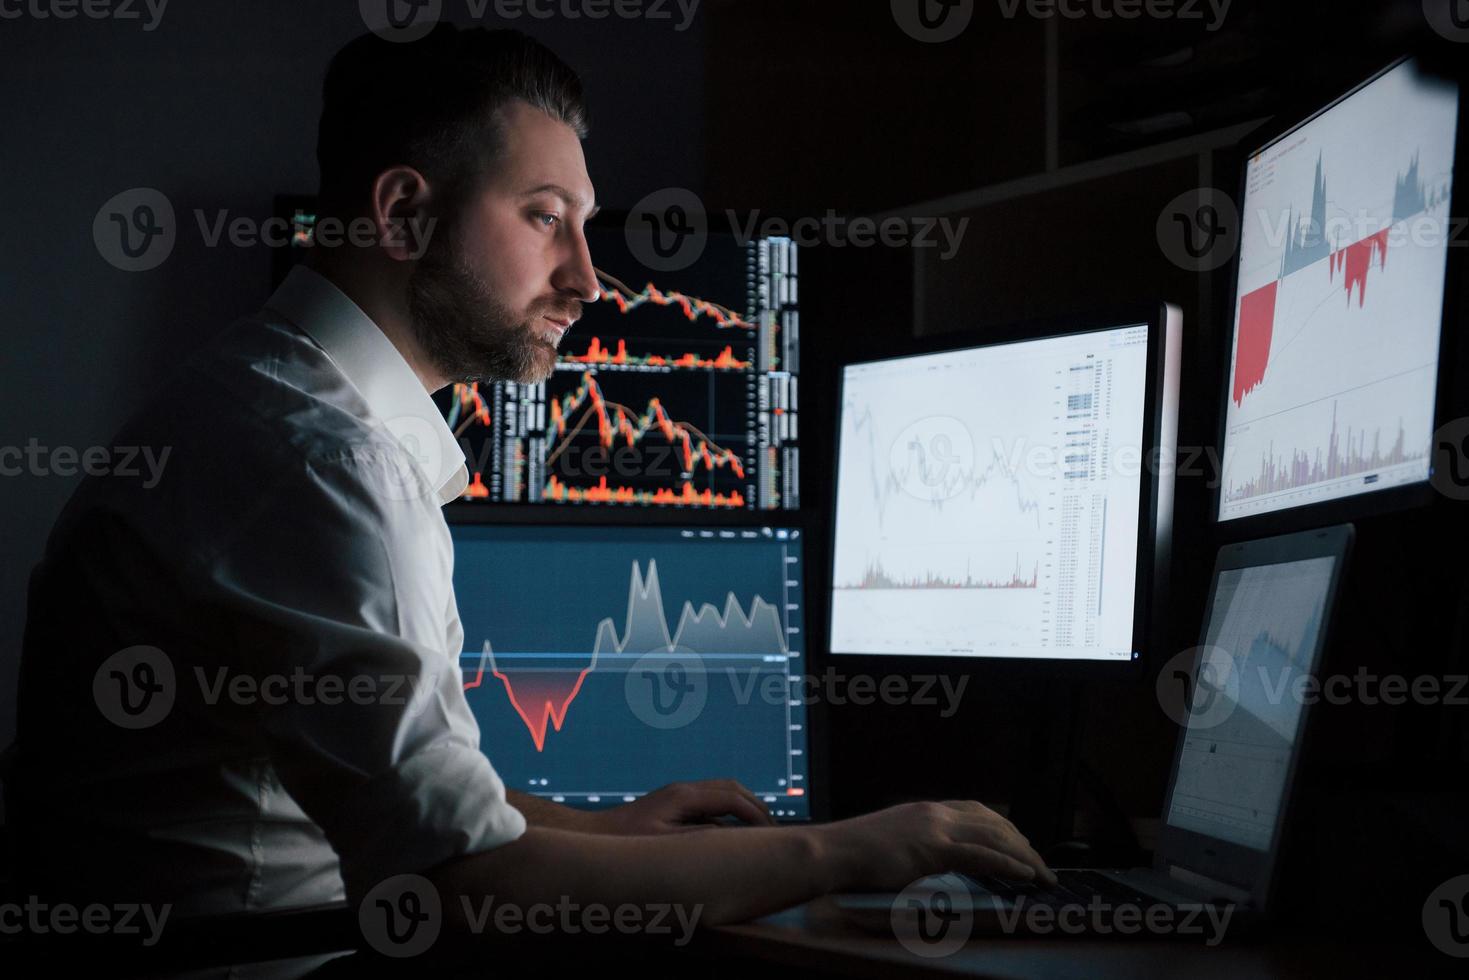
(711, 802)
(734, 786)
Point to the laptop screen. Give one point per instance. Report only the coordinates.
(1244, 719)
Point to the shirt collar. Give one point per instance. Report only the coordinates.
(370, 362)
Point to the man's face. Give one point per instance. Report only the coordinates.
(494, 293)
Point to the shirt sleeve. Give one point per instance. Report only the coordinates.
(341, 587)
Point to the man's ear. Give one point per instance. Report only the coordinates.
(400, 213)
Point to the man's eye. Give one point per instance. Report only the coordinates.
(547, 219)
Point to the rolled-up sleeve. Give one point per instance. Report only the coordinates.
(341, 585)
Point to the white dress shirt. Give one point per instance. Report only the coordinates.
(290, 550)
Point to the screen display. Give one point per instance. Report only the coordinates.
(1244, 715)
(988, 500)
(605, 662)
(1343, 250)
(675, 389)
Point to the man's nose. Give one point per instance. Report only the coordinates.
(577, 276)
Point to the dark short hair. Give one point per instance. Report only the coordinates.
(432, 104)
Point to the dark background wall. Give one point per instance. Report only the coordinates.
(1062, 140)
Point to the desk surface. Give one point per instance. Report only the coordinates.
(817, 936)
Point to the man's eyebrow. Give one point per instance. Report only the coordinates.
(570, 198)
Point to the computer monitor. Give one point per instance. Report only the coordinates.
(1338, 306)
(677, 389)
(1267, 624)
(1008, 497)
(604, 662)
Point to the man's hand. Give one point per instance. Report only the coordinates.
(684, 806)
(890, 848)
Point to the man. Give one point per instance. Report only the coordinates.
(186, 736)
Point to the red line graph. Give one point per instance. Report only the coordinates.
(597, 354)
(540, 697)
(693, 307)
(602, 493)
(614, 420)
(469, 407)
(1252, 345)
(1356, 259)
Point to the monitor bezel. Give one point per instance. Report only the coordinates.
(1368, 503)
(1154, 500)
(1214, 857)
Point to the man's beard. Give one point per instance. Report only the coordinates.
(465, 330)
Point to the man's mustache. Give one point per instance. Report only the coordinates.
(559, 312)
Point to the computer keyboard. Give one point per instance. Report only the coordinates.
(1073, 887)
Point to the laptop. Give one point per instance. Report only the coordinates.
(1270, 606)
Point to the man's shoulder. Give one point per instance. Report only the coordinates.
(257, 417)
(263, 380)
